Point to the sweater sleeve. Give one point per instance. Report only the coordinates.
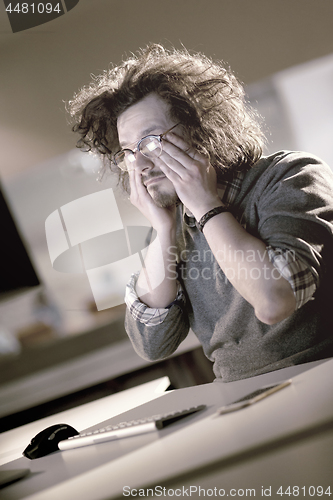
(295, 210)
(298, 274)
(155, 332)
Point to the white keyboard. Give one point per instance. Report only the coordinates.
(126, 429)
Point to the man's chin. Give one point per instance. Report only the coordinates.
(164, 200)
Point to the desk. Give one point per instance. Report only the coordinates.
(13, 442)
(206, 450)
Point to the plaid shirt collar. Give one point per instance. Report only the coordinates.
(227, 191)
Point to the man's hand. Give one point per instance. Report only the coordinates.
(193, 177)
(158, 255)
(160, 218)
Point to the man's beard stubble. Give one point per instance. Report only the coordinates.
(162, 199)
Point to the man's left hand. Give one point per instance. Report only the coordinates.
(191, 173)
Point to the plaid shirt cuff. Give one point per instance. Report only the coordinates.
(302, 279)
(144, 314)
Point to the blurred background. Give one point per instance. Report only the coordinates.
(282, 52)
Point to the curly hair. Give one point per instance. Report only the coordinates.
(204, 96)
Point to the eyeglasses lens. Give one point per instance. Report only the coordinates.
(150, 147)
(120, 160)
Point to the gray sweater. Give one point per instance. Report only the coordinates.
(286, 200)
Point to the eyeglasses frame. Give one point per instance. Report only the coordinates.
(159, 137)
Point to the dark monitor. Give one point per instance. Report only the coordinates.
(17, 272)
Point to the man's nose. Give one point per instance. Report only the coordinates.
(142, 162)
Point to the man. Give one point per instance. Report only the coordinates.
(244, 242)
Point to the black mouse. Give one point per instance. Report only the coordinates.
(46, 441)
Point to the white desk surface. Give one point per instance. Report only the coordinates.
(204, 447)
(13, 442)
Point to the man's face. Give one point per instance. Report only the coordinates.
(148, 116)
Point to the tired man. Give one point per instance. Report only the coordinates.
(243, 246)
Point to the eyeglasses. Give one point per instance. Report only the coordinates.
(149, 146)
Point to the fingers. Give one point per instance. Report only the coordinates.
(131, 175)
(139, 196)
(182, 145)
(174, 155)
(178, 160)
(137, 188)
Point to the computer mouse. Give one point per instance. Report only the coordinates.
(46, 441)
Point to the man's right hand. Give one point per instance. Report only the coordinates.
(158, 256)
(161, 219)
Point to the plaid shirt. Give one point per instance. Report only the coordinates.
(303, 280)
